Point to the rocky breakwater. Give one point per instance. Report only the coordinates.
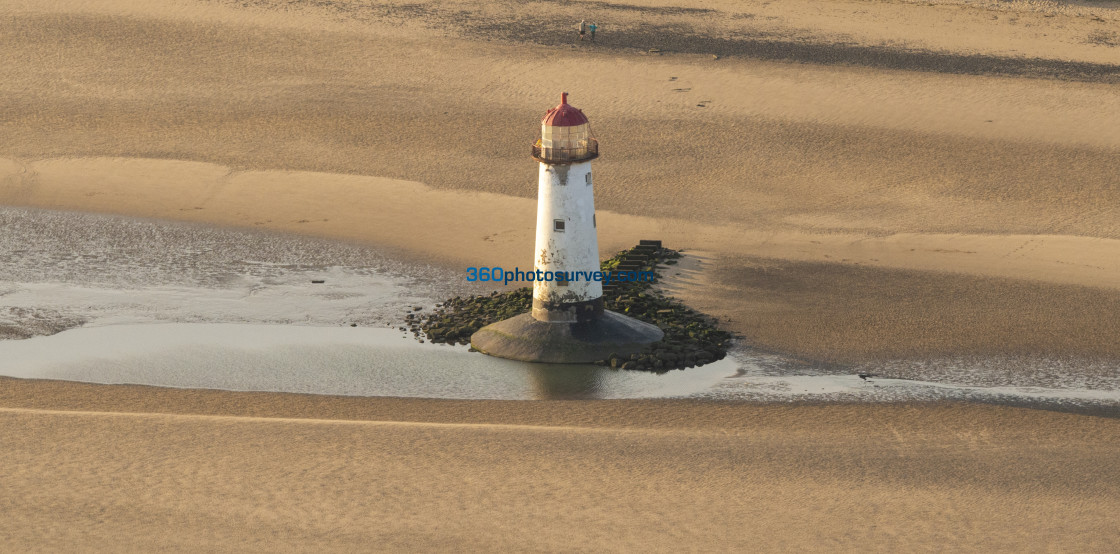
(691, 338)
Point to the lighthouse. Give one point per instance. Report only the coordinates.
(568, 323)
(567, 241)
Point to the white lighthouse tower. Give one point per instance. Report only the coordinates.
(567, 241)
(567, 323)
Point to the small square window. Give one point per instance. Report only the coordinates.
(562, 283)
(558, 225)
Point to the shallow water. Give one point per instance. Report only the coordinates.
(117, 300)
(322, 360)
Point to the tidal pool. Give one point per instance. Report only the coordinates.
(323, 360)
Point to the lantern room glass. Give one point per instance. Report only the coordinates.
(566, 144)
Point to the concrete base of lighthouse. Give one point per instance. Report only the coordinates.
(528, 339)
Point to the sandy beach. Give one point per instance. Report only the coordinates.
(855, 184)
(243, 471)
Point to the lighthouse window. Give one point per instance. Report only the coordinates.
(593, 224)
(587, 177)
(558, 225)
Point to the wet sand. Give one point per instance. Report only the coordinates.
(865, 182)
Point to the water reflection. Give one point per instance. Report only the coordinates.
(565, 381)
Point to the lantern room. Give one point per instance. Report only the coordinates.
(565, 136)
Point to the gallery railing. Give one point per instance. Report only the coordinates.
(588, 150)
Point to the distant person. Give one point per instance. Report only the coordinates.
(592, 28)
(582, 28)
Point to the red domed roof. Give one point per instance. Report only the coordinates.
(564, 115)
